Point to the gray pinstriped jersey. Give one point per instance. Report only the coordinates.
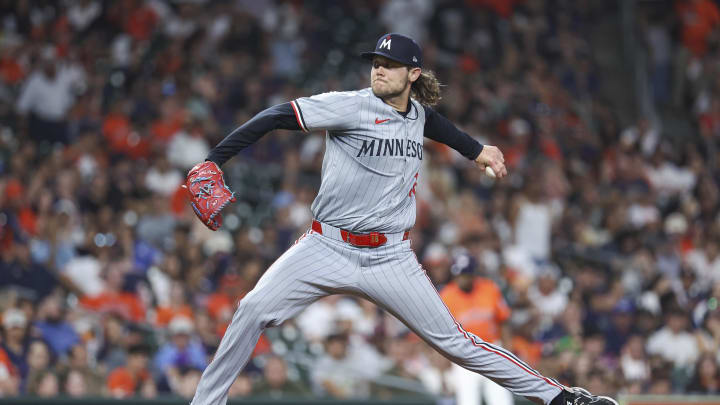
(372, 160)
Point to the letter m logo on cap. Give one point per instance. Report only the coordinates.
(385, 43)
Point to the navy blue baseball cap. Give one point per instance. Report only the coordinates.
(463, 264)
(399, 48)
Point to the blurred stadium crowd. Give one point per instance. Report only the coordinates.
(603, 240)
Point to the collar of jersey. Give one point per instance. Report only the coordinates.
(404, 114)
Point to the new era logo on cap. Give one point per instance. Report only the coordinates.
(399, 48)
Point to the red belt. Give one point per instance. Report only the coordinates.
(372, 239)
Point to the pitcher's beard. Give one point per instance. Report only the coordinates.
(388, 93)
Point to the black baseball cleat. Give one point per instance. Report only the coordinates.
(581, 396)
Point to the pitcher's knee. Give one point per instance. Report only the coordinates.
(256, 308)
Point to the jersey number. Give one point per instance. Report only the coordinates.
(412, 190)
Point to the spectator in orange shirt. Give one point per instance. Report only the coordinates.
(478, 305)
(699, 19)
(114, 298)
(11, 71)
(172, 117)
(524, 344)
(141, 20)
(133, 378)
(221, 304)
(178, 306)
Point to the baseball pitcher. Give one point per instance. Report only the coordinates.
(358, 242)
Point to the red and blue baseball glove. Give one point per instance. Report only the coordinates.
(208, 193)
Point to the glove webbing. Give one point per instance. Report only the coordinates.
(207, 188)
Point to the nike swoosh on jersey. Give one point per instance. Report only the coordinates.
(379, 121)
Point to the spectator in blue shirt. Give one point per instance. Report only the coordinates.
(53, 328)
(183, 351)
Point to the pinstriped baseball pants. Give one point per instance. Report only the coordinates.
(389, 276)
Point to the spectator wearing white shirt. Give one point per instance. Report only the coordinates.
(667, 178)
(532, 217)
(163, 179)
(340, 373)
(47, 96)
(548, 299)
(633, 360)
(705, 261)
(82, 13)
(188, 146)
(317, 320)
(673, 342)
(438, 375)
